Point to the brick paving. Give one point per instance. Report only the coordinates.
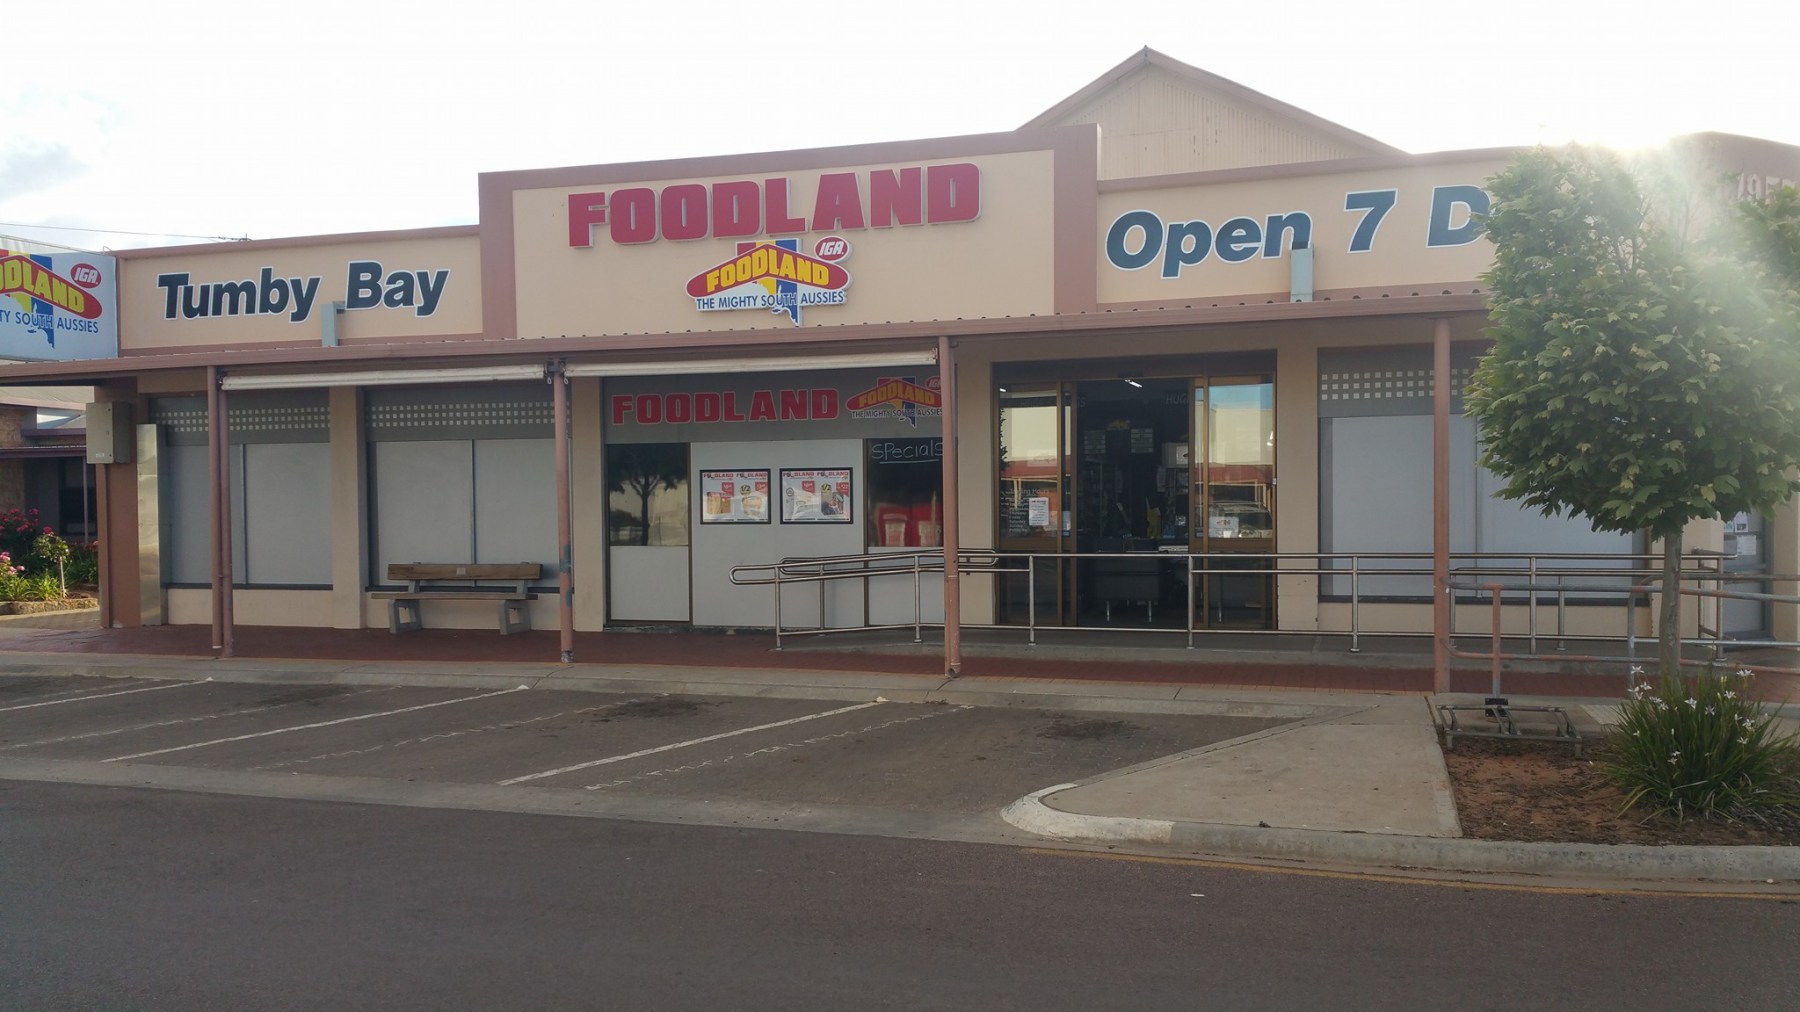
(78, 633)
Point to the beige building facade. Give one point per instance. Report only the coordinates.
(1170, 352)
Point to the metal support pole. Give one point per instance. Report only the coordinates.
(1356, 604)
(565, 564)
(952, 513)
(1440, 507)
(777, 585)
(1031, 600)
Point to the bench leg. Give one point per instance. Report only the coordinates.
(403, 616)
(513, 617)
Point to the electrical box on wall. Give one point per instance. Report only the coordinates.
(110, 436)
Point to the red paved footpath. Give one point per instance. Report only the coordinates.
(756, 650)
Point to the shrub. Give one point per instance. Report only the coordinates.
(1698, 746)
(17, 585)
(83, 567)
(18, 529)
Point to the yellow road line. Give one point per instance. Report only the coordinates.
(1354, 876)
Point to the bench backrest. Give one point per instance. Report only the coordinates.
(409, 572)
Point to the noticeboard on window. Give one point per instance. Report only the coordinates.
(734, 497)
(819, 495)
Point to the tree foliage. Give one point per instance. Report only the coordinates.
(1638, 378)
(1646, 362)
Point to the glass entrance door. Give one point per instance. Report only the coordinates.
(1034, 501)
(1137, 472)
(1234, 512)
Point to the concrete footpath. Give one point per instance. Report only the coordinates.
(1356, 779)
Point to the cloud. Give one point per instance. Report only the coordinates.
(41, 168)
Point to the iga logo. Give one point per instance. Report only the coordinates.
(773, 274)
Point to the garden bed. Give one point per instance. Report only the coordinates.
(1543, 792)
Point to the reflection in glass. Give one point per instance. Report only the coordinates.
(647, 494)
(1030, 500)
(1239, 470)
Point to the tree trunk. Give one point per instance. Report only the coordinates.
(1668, 619)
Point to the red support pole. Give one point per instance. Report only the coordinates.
(228, 620)
(1440, 508)
(952, 513)
(565, 577)
(215, 507)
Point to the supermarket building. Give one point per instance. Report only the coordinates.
(1170, 318)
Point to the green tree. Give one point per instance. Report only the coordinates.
(1646, 362)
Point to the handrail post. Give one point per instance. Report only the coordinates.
(1355, 604)
(777, 585)
(1190, 600)
(1031, 600)
(1494, 662)
(1631, 597)
(918, 618)
(1562, 613)
(1531, 601)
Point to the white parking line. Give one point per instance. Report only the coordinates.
(308, 727)
(246, 712)
(103, 695)
(783, 747)
(685, 744)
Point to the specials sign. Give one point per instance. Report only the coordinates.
(58, 306)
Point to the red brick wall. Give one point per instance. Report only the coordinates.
(12, 472)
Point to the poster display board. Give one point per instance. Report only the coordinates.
(816, 496)
(734, 497)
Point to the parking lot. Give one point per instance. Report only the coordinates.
(908, 757)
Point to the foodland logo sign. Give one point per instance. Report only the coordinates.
(58, 306)
(773, 275)
(898, 397)
(771, 271)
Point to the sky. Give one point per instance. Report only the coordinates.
(159, 124)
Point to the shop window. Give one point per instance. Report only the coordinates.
(647, 494)
(280, 489)
(906, 492)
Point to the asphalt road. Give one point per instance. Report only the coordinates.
(122, 898)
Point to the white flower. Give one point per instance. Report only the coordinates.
(1711, 710)
(1692, 701)
(1743, 741)
(1730, 694)
(1743, 672)
(1637, 669)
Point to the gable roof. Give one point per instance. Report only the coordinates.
(1148, 59)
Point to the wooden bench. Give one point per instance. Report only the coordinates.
(452, 581)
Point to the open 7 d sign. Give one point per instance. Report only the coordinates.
(59, 306)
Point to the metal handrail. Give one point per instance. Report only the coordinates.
(828, 569)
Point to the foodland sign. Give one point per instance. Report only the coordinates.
(770, 271)
(58, 307)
